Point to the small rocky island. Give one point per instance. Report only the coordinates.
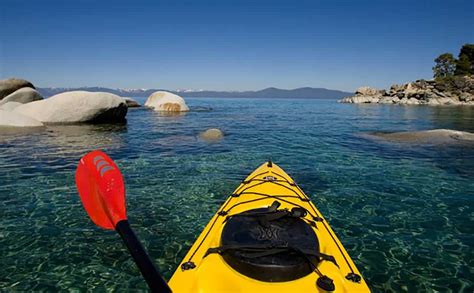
(453, 84)
(459, 91)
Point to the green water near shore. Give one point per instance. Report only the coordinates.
(404, 212)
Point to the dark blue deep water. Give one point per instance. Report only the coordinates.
(404, 212)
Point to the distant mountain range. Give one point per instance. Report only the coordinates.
(271, 92)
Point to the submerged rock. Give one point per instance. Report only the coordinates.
(166, 102)
(428, 136)
(11, 119)
(8, 86)
(76, 107)
(212, 134)
(23, 95)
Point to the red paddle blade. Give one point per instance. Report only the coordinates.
(101, 188)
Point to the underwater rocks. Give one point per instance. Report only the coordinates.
(435, 136)
(212, 134)
(8, 86)
(76, 107)
(459, 91)
(166, 102)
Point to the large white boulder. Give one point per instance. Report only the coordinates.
(11, 119)
(23, 95)
(166, 102)
(10, 106)
(75, 107)
(8, 86)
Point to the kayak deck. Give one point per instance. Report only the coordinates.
(199, 272)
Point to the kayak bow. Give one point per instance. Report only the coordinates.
(268, 237)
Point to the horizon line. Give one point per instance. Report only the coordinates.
(191, 90)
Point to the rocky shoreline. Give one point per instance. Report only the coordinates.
(456, 91)
(23, 108)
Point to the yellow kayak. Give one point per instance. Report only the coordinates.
(267, 237)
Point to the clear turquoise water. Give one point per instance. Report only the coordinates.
(404, 212)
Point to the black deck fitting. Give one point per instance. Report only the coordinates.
(188, 266)
(325, 283)
(353, 277)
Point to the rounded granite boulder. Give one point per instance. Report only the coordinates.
(77, 107)
(8, 86)
(23, 95)
(166, 102)
(11, 119)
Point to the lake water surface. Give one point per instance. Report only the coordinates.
(404, 212)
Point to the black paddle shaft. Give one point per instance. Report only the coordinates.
(141, 258)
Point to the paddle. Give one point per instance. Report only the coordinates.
(102, 191)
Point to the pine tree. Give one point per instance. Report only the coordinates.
(445, 66)
(468, 50)
(463, 66)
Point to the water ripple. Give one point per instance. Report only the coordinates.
(404, 213)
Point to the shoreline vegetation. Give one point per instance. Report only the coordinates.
(453, 84)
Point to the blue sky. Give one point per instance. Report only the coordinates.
(228, 45)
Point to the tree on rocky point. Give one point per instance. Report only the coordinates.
(468, 50)
(445, 66)
(463, 66)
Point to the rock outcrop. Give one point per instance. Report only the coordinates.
(8, 86)
(23, 95)
(212, 134)
(76, 107)
(11, 119)
(456, 91)
(166, 102)
(131, 103)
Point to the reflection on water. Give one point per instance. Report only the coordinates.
(455, 117)
(8, 133)
(70, 140)
(404, 212)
